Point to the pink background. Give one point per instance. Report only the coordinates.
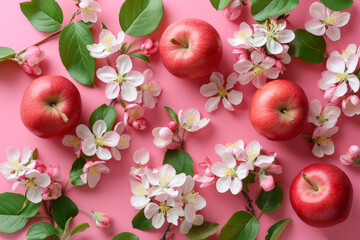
(112, 194)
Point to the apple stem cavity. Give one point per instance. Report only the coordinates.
(176, 42)
(287, 115)
(63, 115)
(307, 179)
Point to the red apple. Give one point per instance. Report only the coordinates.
(190, 49)
(279, 110)
(51, 106)
(321, 195)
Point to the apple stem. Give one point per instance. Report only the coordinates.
(63, 115)
(307, 179)
(288, 115)
(176, 42)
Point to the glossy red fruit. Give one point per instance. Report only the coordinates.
(321, 195)
(190, 49)
(279, 110)
(51, 106)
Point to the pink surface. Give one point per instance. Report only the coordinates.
(112, 194)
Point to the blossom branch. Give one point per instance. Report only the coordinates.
(250, 208)
(163, 237)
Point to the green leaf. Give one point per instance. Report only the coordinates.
(140, 17)
(270, 201)
(11, 207)
(66, 229)
(338, 5)
(6, 52)
(203, 231)
(104, 112)
(130, 45)
(76, 171)
(79, 228)
(180, 160)
(34, 154)
(220, 4)
(275, 230)
(30, 209)
(249, 179)
(308, 47)
(44, 15)
(141, 222)
(357, 73)
(125, 236)
(242, 225)
(264, 9)
(103, 26)
(172, 114)
(63, 208)
(73, 52)
(41, 230)
(142, 57)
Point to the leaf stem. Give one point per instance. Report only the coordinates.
(112, 101)
(40, 216)
(250, 207)
(260, 215)
(163, 237)
(47, 210)
(67, 183)
(82, 210)
(132, 51)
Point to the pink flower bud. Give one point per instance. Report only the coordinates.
(34, 55)
(268, 183)
(274, 168)
(233, 10)
(140, 124)
(172, 126)
(279, 65)
(40, 166)
(346, 160)
(354, 151)
(149, 47)
(101, 220)
(54, 173)
(51, 192)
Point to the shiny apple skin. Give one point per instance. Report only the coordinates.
(36, 113)
(203, 55)
(331, 204)
(265, 110)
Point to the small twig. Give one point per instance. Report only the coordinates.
(112, 101)
(48, 212)
(67, 183)
(163, 237)
(250, 207)
(132, 51)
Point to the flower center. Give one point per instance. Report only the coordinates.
(229, 172)
(232, 145)
(323, 140)
(107, 41)
(222, 91)
(99, 141)
(123, 141)
(165, 179)
(164, 208)
(190, 119)
(252, 153)
(257, 72)
(15, 164)
(120, 78)
(87, 11)
(272, 29)
(332, 20)
(190, 197)
(74, 142)
(134, 115)
(243, 33)
(321, 118)
(93, 170)
(30, 183)
(140, 190)
(147, 87)
(347, 52)
(341, 77)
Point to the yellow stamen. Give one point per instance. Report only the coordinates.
(140, 190)
(164, 208)
(229, 172)
(30, 183)
(332, 20)
(257, 72)
(222, 91)
(92, 170)
(252, 153)
(99, 141)
(232, 145)
(147, 87)
(323, 140)
(190, 197)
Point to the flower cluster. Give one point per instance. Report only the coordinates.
(189, 120)
(165, 195)
(262, 54)
(123, 83)
(30, 60)
(88, 9)
(341, 82)
(326, 21)
(325, 120)
(97, 142)
(217, 91)
(42, 182)
(237, 163)
(352, 157)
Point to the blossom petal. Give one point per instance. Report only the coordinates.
(235, 97)
(353, 83)
(315, 27)
(141, 156)
(158, 220)
(99, 128)
(236, 186)
(333, 33)
(318, 11)
(106, 74)
(243, 66)
(116, 154)
(336, 64)
(150, 210)
(341, 90)
(12, 154)
(134, 78)
(112, 90)
(89, 147)
(218, 169)
(227, 105)
(245, 78)
(228, 159)
(212, 104)
(274, 47)
(128, 92)
(208, 90)
(93, 179)
(272, 73)
(43, 180)
(217, 78)
(352, 62)
(223, 184)
(286, 36)
(34, 194)
(123, 64)
(103, 153)
(84, 132)
(342, 19)
(258, 40)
